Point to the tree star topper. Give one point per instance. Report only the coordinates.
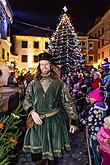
(65, 9)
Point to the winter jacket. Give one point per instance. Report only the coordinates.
(95, 83)
(95, 118)
(102, 134)
(12, 82)
(88, 81)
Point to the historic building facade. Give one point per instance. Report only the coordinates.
(6, 18)
(101, 31)
(89, 50)
(30, 43)
(27, 46)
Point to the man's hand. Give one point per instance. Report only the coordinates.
(73, 128)
(36, 118)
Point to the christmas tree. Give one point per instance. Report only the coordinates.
(65, 46)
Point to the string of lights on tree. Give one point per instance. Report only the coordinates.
(65, 46)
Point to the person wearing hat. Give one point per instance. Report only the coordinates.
(103, 137)
(106, 65)
(94, 120)
(47, 139)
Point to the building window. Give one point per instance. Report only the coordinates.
(98, 33)
(98, 44)
(36, 45)
(102, 30)
(24, 44)
(98, 55)
(91, 58)
(24, 58)
(102, 54)
(83, 43)
(91, 45)
(35, 58)
(46, 45)
(102, 42)
(3, 53)
(8, 57)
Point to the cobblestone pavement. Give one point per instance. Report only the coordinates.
(77, 156)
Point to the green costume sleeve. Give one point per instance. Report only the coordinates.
(69, 106)
(27, 103)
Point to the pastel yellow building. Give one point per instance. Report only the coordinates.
(5, 50)
(101, 31)
(27, 49)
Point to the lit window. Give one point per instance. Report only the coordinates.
(3, 53)
(102, 42)
(8, 57)
(46, 45)
(24, 58)
(91, 45)
(91, 58)
(83, 43)
(36, 44)
(98, 44)
(102, 30)
(24, 44)
(35, 58)
(98, 33)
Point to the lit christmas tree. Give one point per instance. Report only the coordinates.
(65, 47)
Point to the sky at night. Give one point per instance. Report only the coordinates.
(45, 13)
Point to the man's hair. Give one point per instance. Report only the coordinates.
(55, 72)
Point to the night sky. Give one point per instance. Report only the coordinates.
(45, 13)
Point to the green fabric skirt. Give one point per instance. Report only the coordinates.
(51, 138)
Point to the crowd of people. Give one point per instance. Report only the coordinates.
(84, 94)
(90, 90)
(19, 79)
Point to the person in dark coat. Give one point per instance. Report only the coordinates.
(12, 82)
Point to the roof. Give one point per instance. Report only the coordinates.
(38, 31)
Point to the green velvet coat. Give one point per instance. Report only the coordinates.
(51, 138)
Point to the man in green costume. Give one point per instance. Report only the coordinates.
(45, 96)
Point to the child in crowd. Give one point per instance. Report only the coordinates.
(94, 120)
(76, 89)
(96, 80)
(103, 137)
